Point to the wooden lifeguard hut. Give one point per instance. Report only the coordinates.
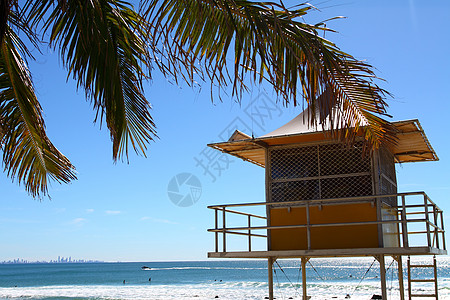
(327, 199)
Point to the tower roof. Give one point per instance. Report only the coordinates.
(412, 146)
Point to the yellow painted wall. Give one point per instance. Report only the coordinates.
(343, 237)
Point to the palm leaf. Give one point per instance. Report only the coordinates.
(269, 43)
(101, 43)
(5, 8)
(28, 154)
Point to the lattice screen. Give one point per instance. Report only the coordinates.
(287, 163)
(338, 159)
(319, 172)
(387, 166)
(388, 181)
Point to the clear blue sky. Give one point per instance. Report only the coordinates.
(122, 211)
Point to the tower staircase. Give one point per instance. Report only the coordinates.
(412, 294)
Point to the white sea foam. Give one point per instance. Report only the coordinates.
(331, 289)
(229, 290)
(133, 292)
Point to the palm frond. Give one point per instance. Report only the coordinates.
(269, 43)
(5, 8)
(28, 154)
(102, 45)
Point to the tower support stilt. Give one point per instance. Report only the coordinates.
(304, 261)
(380, 259)
(270, 262)
(401, 286)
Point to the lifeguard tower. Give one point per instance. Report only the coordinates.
(327, 199)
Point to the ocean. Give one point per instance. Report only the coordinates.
(213, 279)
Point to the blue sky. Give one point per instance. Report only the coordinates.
(121, 212)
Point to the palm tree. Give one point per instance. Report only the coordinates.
(110, 49)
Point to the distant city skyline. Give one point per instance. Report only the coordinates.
(59, 260)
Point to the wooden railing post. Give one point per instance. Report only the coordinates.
(436, 230)
(443, 230)
(378, 204)
(249, 234)
(216, 223)
(308, 228)
(404, 224)
(224, 242)
(427, 219)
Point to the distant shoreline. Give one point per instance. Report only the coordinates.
(50, 262)
(23, 262)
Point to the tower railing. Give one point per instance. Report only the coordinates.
(417, 215)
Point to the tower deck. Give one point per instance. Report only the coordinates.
(392, 251)
(417, 228)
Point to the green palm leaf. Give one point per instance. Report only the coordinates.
(109, 48)
(5, 8)
(28, 154)
(269, 43)
(101, 44)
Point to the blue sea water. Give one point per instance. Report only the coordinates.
(243, 279)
